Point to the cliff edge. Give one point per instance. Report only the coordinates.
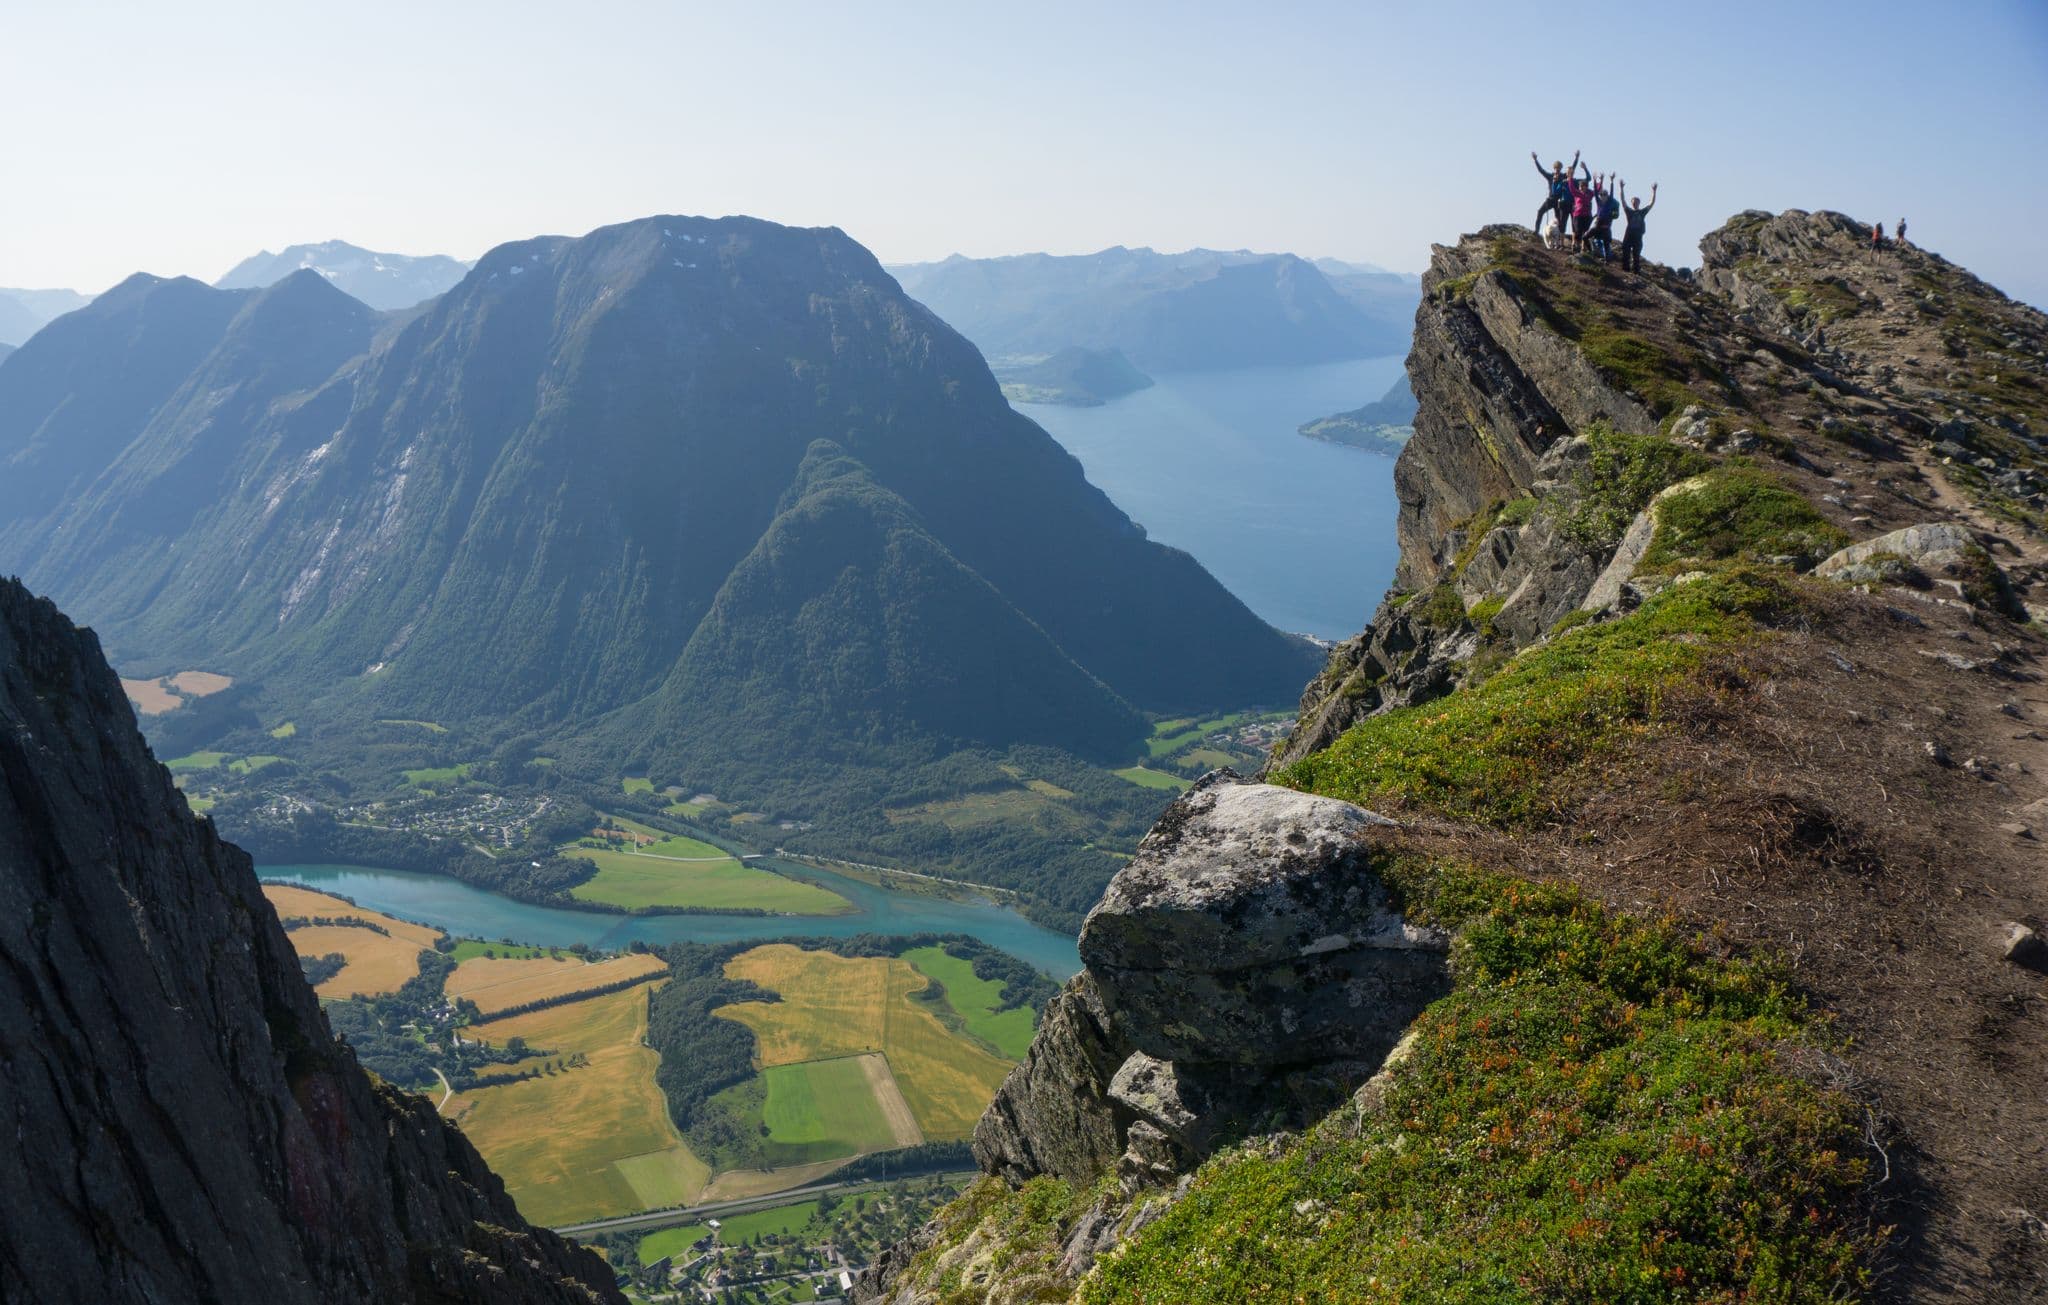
(183, 1125)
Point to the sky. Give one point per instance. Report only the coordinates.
(178, 139)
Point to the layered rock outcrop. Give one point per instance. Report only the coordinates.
(182, 1125)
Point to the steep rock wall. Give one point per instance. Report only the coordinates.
(183, 1125)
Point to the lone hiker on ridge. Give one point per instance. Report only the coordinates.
(1559, 177)
(1632, 235)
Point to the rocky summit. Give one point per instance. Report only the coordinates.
(1646, 904)
(184, 1127)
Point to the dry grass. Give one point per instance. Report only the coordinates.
(844, 1006)
(200, 684)
(587, 1142)
(499, 984)
(150, 697)
(290, 899)
(378, 963)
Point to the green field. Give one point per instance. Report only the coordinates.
(634, 879)
(469, 948)
(427, 725)
(1170, 736)
(428, 776)
(200, 805)
(821, 1110)
(284, 731)
(783, 1220)
(250, 765)
(192, 761)
(1146, 777)
(975, 1001)
(637, 785)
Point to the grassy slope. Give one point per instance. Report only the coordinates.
(1597, 1112)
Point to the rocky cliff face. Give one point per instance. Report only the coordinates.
(183, 1126)
(1792, 343)
(1852, 792)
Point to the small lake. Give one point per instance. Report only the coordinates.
(1213, 462)
(474, 912)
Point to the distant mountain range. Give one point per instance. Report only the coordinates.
(1195, 311)
(383, 281)
(714, 497)
(24, 312)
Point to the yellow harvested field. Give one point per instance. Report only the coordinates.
(501, 983)
(843, 1006)
(290, 899)
(377, 965)
(150, 697)
(198, 684)
(739, 1184)
(587, 1142)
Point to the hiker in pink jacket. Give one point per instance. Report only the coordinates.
(1582, 208)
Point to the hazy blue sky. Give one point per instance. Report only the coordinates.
(179, 138)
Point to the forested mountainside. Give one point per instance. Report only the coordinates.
(611, 497)
(1676, 820)
(383, 281)
(1195, 311)
(184, 1125)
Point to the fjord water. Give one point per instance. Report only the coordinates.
(473, 912)
(1213, 462)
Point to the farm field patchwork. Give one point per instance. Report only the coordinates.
(378, 963)
(469, 948)
(976, 1000)
(500, 984)
(586, 1142)
(430, 776)
(829, 1109)
(836, 1006)
(639, 879)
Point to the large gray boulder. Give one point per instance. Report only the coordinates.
(1244, 972)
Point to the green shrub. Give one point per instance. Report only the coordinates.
(1738, 512)
(1514, 749)
(1623, 475)
(1596, 1112)
(1442, 608)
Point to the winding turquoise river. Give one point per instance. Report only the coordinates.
(474, 912)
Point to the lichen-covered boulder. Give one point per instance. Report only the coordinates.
(1251, 928)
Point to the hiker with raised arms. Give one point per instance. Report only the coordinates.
(1559, 177)
(1582, 208)
(1632, 234)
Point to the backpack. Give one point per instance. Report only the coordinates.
(1560, 189)
(1609, 207)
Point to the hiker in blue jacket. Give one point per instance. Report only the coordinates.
(1560, 200)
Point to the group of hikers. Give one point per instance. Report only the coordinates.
(1877, 237)
(1582, 206)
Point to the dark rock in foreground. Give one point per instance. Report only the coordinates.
(183, 1127)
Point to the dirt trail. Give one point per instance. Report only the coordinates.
(890, 1098)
